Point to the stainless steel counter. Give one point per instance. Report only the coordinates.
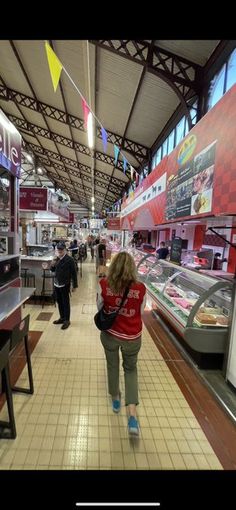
(7, 257)
(12, 298)
(44, 258)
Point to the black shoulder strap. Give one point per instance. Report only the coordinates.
(124, 296)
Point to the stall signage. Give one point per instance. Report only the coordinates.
(10, 146)
(71, 217)
(33, 199)
(153, 191)
(113, 224)
(176, 250)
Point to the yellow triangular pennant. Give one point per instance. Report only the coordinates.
(55, 65)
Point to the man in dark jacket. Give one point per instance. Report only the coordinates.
(162, 252)
(65, 271)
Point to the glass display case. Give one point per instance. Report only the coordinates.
(140, 256)
(39, 250)
(197, 306)
(112, 248)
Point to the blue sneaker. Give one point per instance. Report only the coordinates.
(133, 426)
(116, 406)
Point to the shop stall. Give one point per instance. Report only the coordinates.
(190, 194)
(10, 160)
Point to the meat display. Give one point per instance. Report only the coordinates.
(205, 318)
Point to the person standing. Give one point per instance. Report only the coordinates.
(163, 251)
(125, 333)
(101, 257)
(74, 248)
(65, 271)
(218, 262)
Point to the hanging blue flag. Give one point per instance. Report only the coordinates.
(104, 139)
(116, 151)
(125, 163)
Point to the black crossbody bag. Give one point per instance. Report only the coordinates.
(104, 320)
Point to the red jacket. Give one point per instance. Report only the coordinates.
(128, 323)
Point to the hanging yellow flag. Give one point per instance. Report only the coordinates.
(55, 65)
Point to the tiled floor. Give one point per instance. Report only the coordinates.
(68, 423)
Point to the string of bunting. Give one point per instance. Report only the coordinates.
(55, 67)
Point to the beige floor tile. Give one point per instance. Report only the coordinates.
(177, 461)
(68, 423)
(153, 461)
(141, 460)
(165, 461)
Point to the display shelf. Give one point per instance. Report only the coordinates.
(191, 293)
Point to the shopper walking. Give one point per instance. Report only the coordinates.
(125, 333)
(102, 258)
(65, 271)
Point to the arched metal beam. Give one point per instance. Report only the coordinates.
(179, 73)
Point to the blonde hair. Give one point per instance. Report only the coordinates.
(122, 272)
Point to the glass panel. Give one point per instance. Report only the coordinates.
(193, 112)
(231, 71)
(146, 266)
(186, 128)
(216, 88)
(138, 255)
(153, 161)
(165, 147)
(158, 156)
(180, 130)
(171, 139)
(177, 290)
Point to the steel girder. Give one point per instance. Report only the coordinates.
(56, 179)
(68, 186)
(137, 150)
(179, 73)
(178, 70)
(68, 161)
(67, 142)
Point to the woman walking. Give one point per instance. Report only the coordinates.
(125, 333)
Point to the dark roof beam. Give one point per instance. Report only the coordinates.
(137, 150)
(67, 142)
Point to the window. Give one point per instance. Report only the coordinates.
(231, 71)
(217, 88)
(165, 148)
(171, 139)
(180, 130)
(158, 156)
(153, 161)
(193, 113)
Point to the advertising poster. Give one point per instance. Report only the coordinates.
(189, 192)
(196, 179)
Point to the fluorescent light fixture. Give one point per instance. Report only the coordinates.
(29, 158)
(93, 200)
(90, 130)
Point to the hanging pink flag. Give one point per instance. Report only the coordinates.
(86, 111)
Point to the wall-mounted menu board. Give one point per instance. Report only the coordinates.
(176, 250)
